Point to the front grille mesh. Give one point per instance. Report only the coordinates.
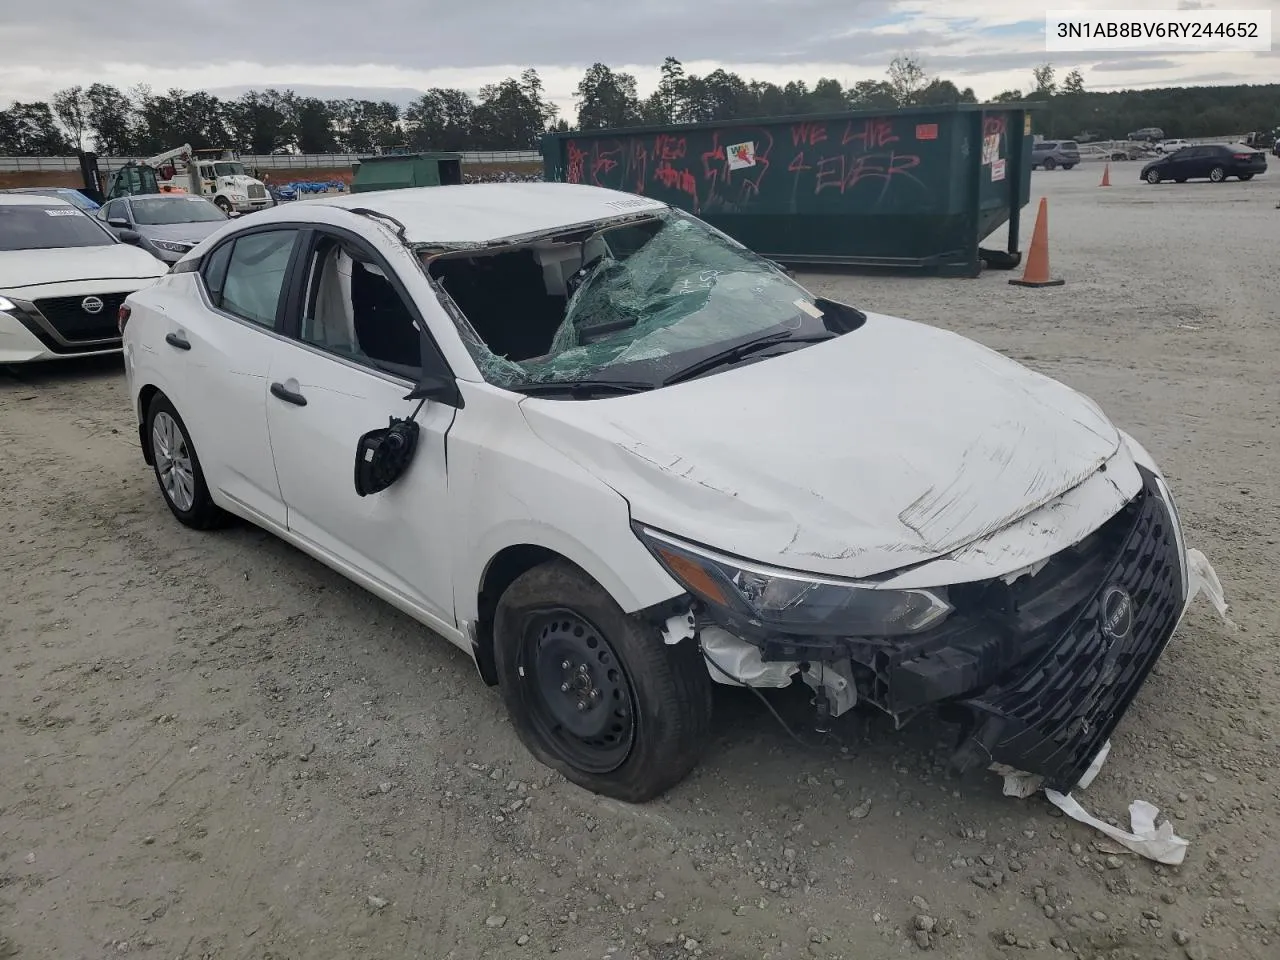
(1057, 713)
(73, 323)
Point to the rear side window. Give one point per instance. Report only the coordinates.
(1047, 145)
(1070, 145)
(245, 277)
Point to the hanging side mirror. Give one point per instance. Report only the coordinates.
(383, 456)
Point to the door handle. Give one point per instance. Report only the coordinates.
(282, 392)
(177, 340)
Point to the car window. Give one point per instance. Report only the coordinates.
(254, 275)
(352, 310)
(172, 209)
(1070, 145)
(40, 227)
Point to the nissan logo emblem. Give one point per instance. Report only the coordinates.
(1117, 614)
(91, 305)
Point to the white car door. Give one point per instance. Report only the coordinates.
(351, 356)
(227, 342)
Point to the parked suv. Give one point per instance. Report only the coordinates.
(1055, 153)
(1147, 133)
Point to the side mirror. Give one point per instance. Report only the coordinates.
(382, 456)
(437, 388)
(130, 236)
(119, 223)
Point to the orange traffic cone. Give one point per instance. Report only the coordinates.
(1106, 176)
(1036, 273)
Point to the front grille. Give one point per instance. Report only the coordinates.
(1053, 717)
(257, 191)
(73, 323)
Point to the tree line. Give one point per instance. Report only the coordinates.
(514, 113)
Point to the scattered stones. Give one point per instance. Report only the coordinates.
(925, 922)
(861, 811)
(1181, 937)
(495, 922)
(376, 903)
(522, 940)
(923, 940)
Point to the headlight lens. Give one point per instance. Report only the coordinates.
(793, 603)
(7, 305)
(171, 246)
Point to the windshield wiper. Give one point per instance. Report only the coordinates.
(582, 388)
(736, 353)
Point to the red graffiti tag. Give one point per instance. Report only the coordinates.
(845, 172)
(667, 147)
(808, 134)
(869, 134)
(605, 161)
(576, 159)
(675, 178)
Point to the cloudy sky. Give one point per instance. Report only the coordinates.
(389, 48)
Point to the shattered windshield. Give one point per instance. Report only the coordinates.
(640, 300)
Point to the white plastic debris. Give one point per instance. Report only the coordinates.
(1144, 837)
(1205, 580)
(680, 627)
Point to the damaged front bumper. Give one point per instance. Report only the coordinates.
(1038, 672)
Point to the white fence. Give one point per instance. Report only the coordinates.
(299, 161)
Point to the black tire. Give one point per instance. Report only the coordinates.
(223, 204)
(1153, 176)
(1067, 166)
(1180, 180)
(1218, 174)
(202, 513)
(1246, 176)
(1050, 163)
(555, 610)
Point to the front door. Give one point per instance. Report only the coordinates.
(352, 356)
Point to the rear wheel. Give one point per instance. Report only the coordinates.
(1153, 176)
(1217, 174)
(595, 693)
(1246, 176)
(178, 469)
(1067, 166)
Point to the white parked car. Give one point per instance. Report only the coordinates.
(62, 280)
(1172, 146)
(617, 457)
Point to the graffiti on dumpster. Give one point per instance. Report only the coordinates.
(730, 169)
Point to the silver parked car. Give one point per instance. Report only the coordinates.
(169, 224)
(1055, 153)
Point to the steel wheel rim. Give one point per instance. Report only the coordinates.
(1153, 176)
(174, 466)
(1217, 175)
(581, 700)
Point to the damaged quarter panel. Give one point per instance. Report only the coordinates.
(508, 488)
(886, 447)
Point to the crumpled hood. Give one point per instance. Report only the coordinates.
(117, 261)
(894, 444)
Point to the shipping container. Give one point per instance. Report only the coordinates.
(396, 171)
(920, 187)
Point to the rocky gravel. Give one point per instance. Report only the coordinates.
(214, 747)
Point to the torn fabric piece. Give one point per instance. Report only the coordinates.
(1094, 767)
(1144, 837)
(1204, 579)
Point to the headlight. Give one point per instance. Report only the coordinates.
(791, 602)
(7, 305)
(171, 246)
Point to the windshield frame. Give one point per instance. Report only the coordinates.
(62, 208)
(803, 326)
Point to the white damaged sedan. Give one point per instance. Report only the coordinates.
(617, 457)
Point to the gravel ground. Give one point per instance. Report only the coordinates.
(214, 747)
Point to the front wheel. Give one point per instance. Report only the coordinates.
(594, 693)
(178, 469)
(1050, 163)
(1153, 176)
(1217, 174)
(1067, 166)
(223, 204)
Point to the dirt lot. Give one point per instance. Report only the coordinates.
(213, 747)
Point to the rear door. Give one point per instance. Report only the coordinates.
(354, 352)
(228, 346)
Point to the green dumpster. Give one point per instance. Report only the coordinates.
(920, 187)
(398, 171)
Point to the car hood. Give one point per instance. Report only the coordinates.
(118, 261)
(892, 445)
(191, 233)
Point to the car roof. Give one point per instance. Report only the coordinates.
(33, 200)
(481, 213)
